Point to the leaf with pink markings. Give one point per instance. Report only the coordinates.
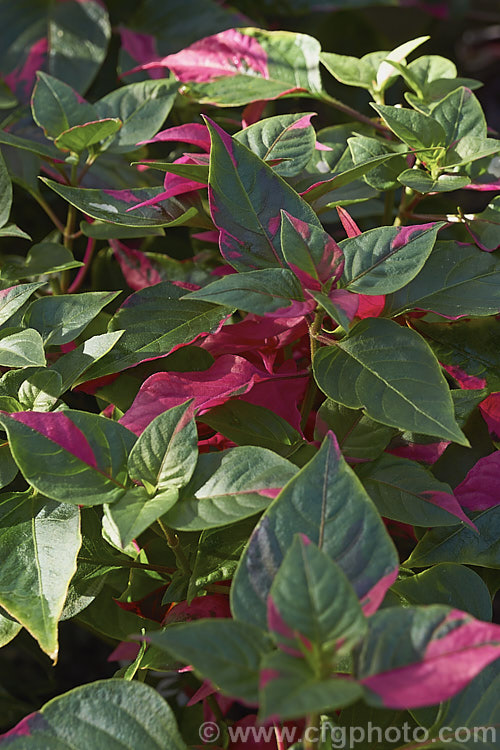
(490, 409)
(246, 197)
(420, 656)
(70, 456)
(310, 249)
(193, 133)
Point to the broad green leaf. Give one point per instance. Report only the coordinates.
(374, 722)
(386, 70)
(21, 348)
(472, 345)
(39, 543)
(80, 137)
(229, 486)
(313, 597)
(101, 230)
(72, 456)
(113, 205)
(459, 114)
(135, 511)
(484, 226)
(5, 192)
(447, 583)
(293, 689)
(224, 651)
(422, 182)
(13, 298)
(259, 292)
(249, 424)
(40, 391)
(42, 258)
(326, 502)
(324, 187)
(246, 198)
(385, 176)
(12, 230)
(384, 259)
(154, 321)
(455, 280)
(290, 137)
(26, 144)
(56, 106)
(78, 36)
(142, 107)
(404, 491)
(414, 128)
(460, 544)
(115, 714)
(60, 319)
(292, 62)
(349, 70)
(392, 373)
(358, 435)
(72, 365)
(164, 456)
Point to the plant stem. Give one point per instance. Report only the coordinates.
(82, 271)
(69, 228)
(312, 722)
(43, 204)
(175, 545)
(351, 112)
(130, 564)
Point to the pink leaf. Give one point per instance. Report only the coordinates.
(451, 660)
(252, 113)
(490, 409)
(279, 395)
(211, 605)
(141, 48)
(427, 453)
(449, 503)
(350, 226)
(22, 79)
(194, 133)
(34, 720)
(330, 265)
(347, 301)
(58, 427)
(465, 381)
(224, 54)
(228, 376)
(370, 305)
(481, 487)
(373, 599)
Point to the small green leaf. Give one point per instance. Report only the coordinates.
(358, 435)
(57, 107)
(72, 365)
(5, 192)
(135, 511)
(13, 298)
(422, 182)
(417, 130)
(80, 137)
(42, 258)
(21, 348)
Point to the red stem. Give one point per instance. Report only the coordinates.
(78, 280)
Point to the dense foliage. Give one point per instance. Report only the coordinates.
(250, 389)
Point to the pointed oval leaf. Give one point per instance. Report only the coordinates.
(392, 373)
(135, 511)
(326, 502)
(14, 297)
(70, 456)
(57, 106)
(39, 543)
(21, 348)
(81, 137)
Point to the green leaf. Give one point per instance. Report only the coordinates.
(460, 115)
(290, 137)
(460, 544)
(42, 258)
(164, 457)
(295, 690)
(313, 597)
(154, 321)
(392, 373)
(72, 365)
(358, 435)
(455, 280)
(259, 292)
(447, 583)
(8, 467)
(318, 190)
(5, 192)
(385, 176)
(13, 298)
(246, 198)
(403, 490)
(224, 651)
(417, 130)
(326, 502)
(80, 137)
(472, 345)
(142, 107)
(229, 486)
(40, 391)
(21, 348)
(135, 511)
(12, 230)
(56, 106)
(26, 144)
(349, 70)
(78, 41)
(484, 226)
(384, 259)
(112, 205)
(88, 449)
(39, 543)
(9, 628)
(422, 182)
(100, 230)
(249, 424)
(60, 319)
(110, 713)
